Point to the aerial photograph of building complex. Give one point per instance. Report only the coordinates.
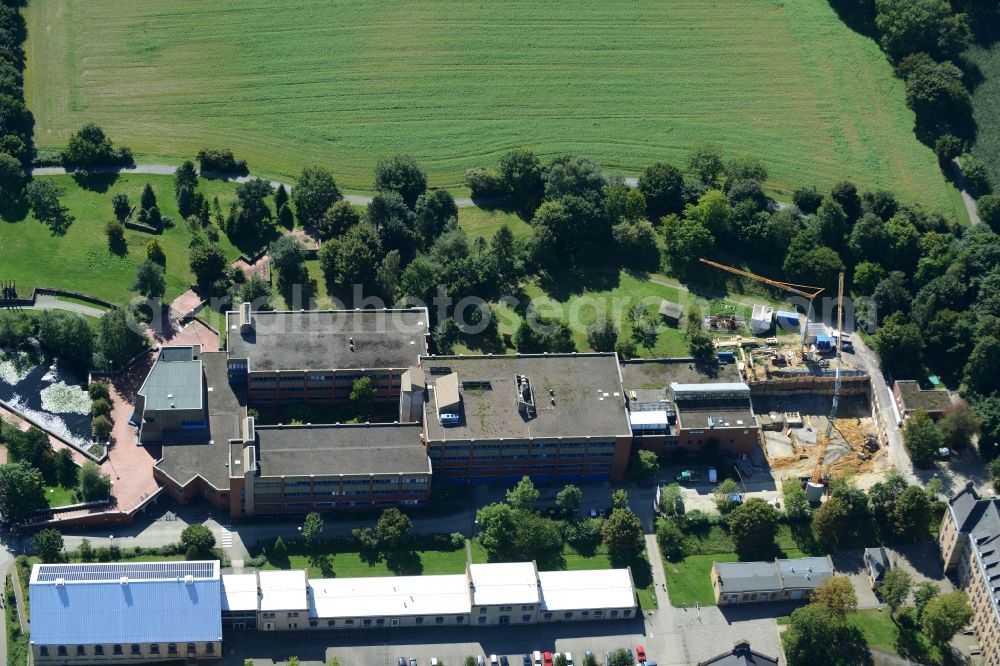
(451, 333)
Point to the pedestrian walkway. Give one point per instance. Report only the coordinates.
(226, 540)
(22, 613)
(468, 551)
(659, 575)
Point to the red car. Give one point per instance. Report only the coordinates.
(547, 659)
(640, 654)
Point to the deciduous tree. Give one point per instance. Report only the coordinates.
(753, 526)
(314, 192)
(93, 484)
(48, 543)
(922, 438)
(811, 637)
(150, 279)
(837, 594)
(944, 615)
(662, 185)
(403, 175)
(524, 495)
(21, 491)
(568, 499)
(895, 588)
(622, 534)
(393, 529)
(312, 528)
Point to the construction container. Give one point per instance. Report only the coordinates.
(814, 492)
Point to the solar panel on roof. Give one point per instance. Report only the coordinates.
(439, 370)
(114, 571)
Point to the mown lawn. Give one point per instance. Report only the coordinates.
(689, 580)
(59, 495)
(880, 632)
(332, 558)
(80, 260)
(457, 83)
(985, 101)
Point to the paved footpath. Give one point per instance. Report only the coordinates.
(167, 170)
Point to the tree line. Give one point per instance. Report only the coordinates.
(17, 125)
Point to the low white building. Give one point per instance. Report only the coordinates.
(585, 595)
(486, 594)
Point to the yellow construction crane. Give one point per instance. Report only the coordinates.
(806, 291)
(817, 475)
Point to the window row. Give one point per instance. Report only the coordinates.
(98, 650)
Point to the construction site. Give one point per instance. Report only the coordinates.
(811, 395)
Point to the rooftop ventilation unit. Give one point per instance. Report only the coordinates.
(246, 319)
(525, 399)
(60, 582)
(189, 579)
(123, 580)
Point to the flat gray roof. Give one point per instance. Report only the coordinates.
(588, 398)
(331, 450)
(715, 414)
(207, 456)
(320, 339)
(929, 400)
(174, 381)
(660, 373)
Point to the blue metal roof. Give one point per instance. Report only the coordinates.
(139, 611)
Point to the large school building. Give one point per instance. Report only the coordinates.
(557, 418)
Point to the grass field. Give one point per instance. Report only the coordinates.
(80, 259)
(457, 83)
(985, 101)
(689, 580)
(59, 495)
(882, 633)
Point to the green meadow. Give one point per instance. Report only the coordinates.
(457, 83)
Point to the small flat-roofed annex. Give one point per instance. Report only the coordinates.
(579, 590)
(504, 583)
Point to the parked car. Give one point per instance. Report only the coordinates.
(503, 660)
(631, 657)
(640, 652)
(434, 661)
(687, 476)
(593, 513)
(603, 513)
(537, 656)
(569, 659)
(967, 631)
(526, 659)
(401, 661)
(493, 660)
(480, 660)
(413, 662)
(547, 659)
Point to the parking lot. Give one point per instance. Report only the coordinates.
(384, 647)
